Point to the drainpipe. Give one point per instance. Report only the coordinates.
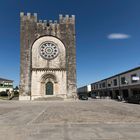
(119, 86)
(106, 87)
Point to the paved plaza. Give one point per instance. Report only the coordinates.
(70, 120)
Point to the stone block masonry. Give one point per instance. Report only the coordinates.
(33, 33)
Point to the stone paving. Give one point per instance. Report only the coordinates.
(69, 120)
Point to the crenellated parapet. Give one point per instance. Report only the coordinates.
(28, 16)
(47, 23)
(66, 19)
(62, 19)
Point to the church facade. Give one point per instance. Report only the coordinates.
(47, 57)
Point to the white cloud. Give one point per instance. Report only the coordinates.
(118, 36)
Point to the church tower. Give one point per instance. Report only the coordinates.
(47, 57)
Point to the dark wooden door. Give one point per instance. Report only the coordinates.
(49, 88)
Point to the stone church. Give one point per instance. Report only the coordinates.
(47, 57)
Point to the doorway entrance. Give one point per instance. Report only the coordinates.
(125, 93)
(49, 88)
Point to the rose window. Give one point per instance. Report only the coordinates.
(49, 50)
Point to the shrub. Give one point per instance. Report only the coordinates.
(16, 93)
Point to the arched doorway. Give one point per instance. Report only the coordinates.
(48, 84)
(49, 88)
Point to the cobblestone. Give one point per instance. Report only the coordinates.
(73, 120)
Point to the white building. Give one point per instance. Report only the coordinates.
(125, 84)
(6, 85)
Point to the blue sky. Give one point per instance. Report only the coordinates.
(107, 35)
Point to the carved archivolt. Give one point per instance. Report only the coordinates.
(48, 76)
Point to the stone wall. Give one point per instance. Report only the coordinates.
(32, 29)
(38, 87)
